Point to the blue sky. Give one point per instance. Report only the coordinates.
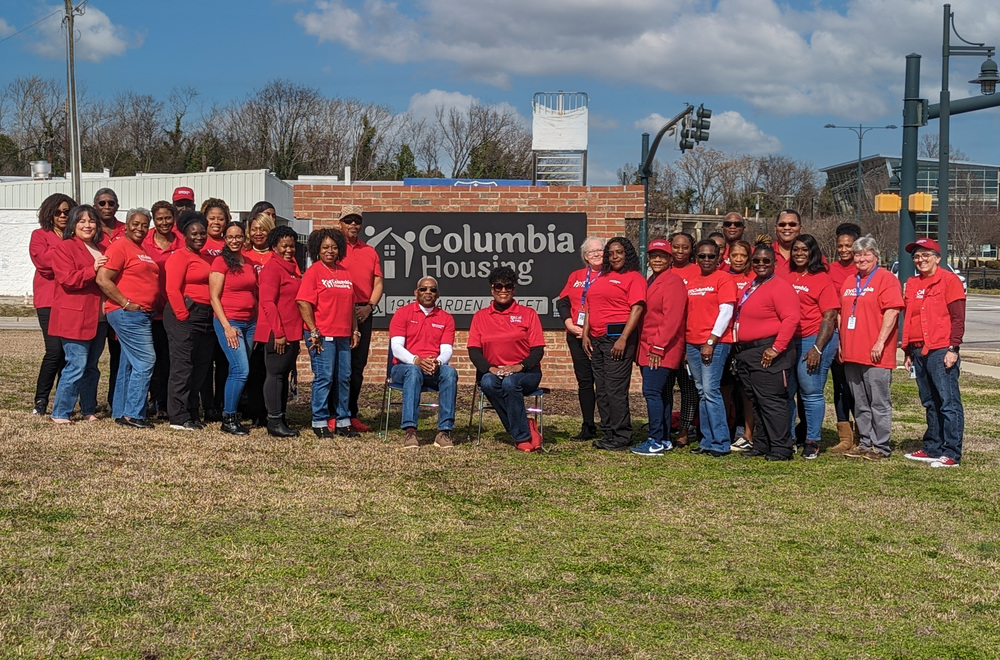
(773, 73)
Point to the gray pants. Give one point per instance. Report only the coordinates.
(872, 404)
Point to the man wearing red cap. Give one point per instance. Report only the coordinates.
(183, 199)
(932, 332)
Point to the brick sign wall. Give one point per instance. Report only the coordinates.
(605, 209)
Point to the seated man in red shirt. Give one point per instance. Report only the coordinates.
(422, 338)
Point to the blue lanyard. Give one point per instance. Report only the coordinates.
(859, 289)
(748, 293)
(586, 285)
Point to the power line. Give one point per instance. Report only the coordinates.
(44, 18)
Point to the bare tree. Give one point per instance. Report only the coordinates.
(930, 147)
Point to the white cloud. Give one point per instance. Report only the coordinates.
(731, 132)
(6, 29)
(97, 37)
(777, 58)
(651, 124)
(423, 106)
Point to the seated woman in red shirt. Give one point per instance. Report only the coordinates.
(77, 317)
(767, 314)
(232, 288)
(661, 347)
(279, 326)
(506, 345)
(187, 318)
(326, 303)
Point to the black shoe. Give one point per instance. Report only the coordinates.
(41, 405)
(190, 425)
(347, 432)
(753, 453)
(277, 428)
(135, 423)
(231, 424)
(322, 432)
(608, 446)
(715, 454)
(587, 432)
(198, 424)
(697, 449)
(772, 457)
(213, 415)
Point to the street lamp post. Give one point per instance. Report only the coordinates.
(860, 131)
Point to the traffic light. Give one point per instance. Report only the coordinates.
(700, 124)
(687, 141)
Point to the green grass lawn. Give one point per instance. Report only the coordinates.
(165, 544)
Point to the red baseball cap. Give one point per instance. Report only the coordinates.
(659, 244)
(926, 243)
(183, 193)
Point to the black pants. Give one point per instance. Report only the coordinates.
(584, 372)
(213, 390)
(613, 378)
(276, 380)
(161, 369)
(768, 392)
(191, 345)
(359, 359)
(52, 362)
(115, 355)
(253, 391)
(843, 399)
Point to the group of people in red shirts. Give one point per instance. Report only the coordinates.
(750, 333)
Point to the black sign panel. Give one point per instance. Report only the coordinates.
(460, 250)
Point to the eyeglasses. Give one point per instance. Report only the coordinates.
(732, 224)
(761, 260)
(105, 202)
(705, 256)
(60, 212)
(788, 224)
(599, 251)
(500, 286)
(424, 289)
(351, 220)
(923, 256)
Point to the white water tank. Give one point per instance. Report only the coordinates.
(41, 169)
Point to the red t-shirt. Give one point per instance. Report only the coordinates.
(687, 273)
(839, 273)
(577, 287)
(363, 263)
(927, 319)
(662, 331)
(187, 277)
(422, 333)
(213, 247)
(742, 280)
(331, 293)
(138, 275)
(879, 294)
(160, 257)
(239, 291)
(705, 294)
(505, 337)
(770, 310)
(611, 297)
(258, 259)
(816, 296)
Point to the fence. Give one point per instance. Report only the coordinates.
(982, 278)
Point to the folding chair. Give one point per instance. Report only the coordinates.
(479, 400)
(387, 391)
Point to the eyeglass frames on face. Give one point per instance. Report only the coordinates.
(761, 261)
(425, 289)
(499, 286)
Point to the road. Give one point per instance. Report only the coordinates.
(982, 323)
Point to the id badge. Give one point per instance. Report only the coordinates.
(851, 322)
(579, 319)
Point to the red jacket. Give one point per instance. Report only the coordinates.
(43, 243)
(77, 304)
(662, 331)
(279, 312)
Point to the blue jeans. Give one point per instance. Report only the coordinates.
(809, 385)
(135, 333)
(711, 408)
(413, 378)
(331, 381)
(941, 399)
(80, 375)
(239, 362)
(658, 390)
(506, 395)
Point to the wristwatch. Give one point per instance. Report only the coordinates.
(710, 342)
(953, 349)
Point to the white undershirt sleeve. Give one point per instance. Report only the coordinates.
(445, 355)
(398, 345)
(723, 319)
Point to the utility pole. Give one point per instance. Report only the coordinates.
(76, 159)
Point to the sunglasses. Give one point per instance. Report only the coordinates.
(761, 260)
(424, 289)
(705, 256)
(61, 212)
(352, 220)
(503, 287)
(105, 202)
(732, 224)
(788, 224)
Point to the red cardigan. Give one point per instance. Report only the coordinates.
(279, 312)
(662, 331)
(77, 304)
(40, 248)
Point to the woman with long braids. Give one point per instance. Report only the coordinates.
(52, 217)
(611, 336)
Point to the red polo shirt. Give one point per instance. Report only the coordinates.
(816, 296)
(331, 293)
(422, 333)
(880, 294)
(505, 337)
(927, 319)
(611, 297)
(239, 291)
(138, 275)
(187, 277)
(705, 294)
(576, 289)
(364, 266)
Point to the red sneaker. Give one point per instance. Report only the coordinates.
(332, 423)
(359, 426)
(525, 446)
(536, 437)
